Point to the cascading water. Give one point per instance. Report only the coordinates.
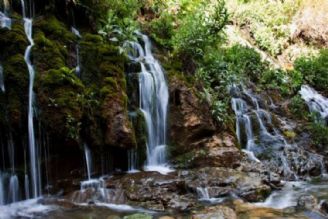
(132, 161)
(153, 102)
(316, 102)
(13, 189)
(259, 137)
(5, 21)
(2, 192)
(78, 63)
(2, 83)
(88, 161)
(203, 193)
(33, 152)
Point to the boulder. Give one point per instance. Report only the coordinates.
(308, 202)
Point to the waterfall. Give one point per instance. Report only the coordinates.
(5, 21)
(258, 136)
(27, 186)
(153, 97)
(88, 160)
(315, 101)
(240, 108)
(34, 161)
(2, 192)
(132, 161)
(2, 82)
(13, 189)
(78, 62)
(203, 193)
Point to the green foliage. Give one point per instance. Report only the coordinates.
(73, 127)
(319, 135)
(62, 77)
(219, 111)
(162, 29)
(224, 67)
(120, 23)
(298, 107)
(245, 61)
(200, 30)
(267, 21)
(315, 70)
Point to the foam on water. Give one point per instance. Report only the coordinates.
(25, 209)
(164, 170)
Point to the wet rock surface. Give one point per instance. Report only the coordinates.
(178, 190)
(221, 212)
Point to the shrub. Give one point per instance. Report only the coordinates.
(200, 29)
(319, 134)
(298, 108)
(315, 70)
(162, 30)
(245, 61)
(120, 22)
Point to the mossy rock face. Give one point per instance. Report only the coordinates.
(16, 82)
(48, 54)
(59, 95)
(140, 129)
(119, 130)
(54, 29)
(13, 41)
(100, 60)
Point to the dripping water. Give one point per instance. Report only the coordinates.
(77, 48)
(2, 82)
(132, 161)
(88, 160)
(33, 150)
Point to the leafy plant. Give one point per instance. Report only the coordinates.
(315, 70)
(200, 30)
(319, 134)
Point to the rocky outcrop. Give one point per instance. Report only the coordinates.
(179, 190)
(194, 138)
(190, 119)
(310, 23)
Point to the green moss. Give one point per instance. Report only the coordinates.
(138, 216)
(13, 41)
(16, 80)
(60, 93)
(62, 77)
(48, 54)
(290, 134)
(54, 29)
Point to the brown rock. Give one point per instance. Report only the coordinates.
(220, 212)
(190, 119)
(119, 130)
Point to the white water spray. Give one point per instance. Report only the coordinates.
(315, 101)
